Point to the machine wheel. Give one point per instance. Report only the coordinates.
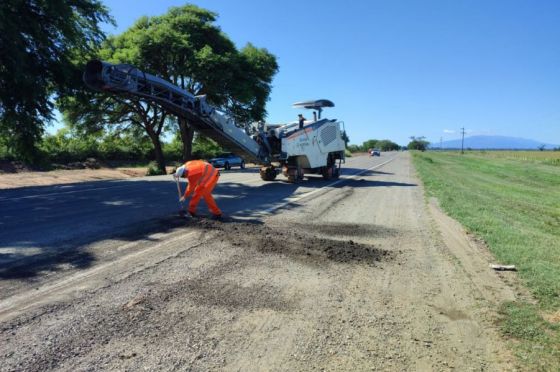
(227, 166)
(336, 172)
(296, 177)
(328, 172)
(331, 170)
(242, 165)
(268, 173)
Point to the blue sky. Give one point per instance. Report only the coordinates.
(396, 69)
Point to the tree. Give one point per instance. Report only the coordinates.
(354, 148)
(541, 147)
(418, 143)
(121, 114)
(73, 144)
(205, 148)
(185, 47)
(383, 145)
(387, 145)
(369, 144)
(39, 42)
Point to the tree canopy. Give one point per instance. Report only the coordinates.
(185, 47)
(418, 143)
(40, 41)
(383, 145)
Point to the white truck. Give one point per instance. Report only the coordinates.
(318, 147)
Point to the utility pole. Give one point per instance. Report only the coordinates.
(462, 140)
(440, 143)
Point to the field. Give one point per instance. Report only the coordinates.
(544, 157)
(511, 200)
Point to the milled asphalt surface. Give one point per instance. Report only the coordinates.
(37, 221)
(357, 274)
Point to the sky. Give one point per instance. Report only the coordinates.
(396, 69)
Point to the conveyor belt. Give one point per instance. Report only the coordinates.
(203, 117)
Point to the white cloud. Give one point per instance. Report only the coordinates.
(448, 131)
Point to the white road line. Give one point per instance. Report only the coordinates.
(310, 193)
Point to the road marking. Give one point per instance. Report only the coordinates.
(322, 189)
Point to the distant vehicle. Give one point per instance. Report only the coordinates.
(227, 160)
(375, 152)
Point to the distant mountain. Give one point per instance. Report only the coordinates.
(494, 143)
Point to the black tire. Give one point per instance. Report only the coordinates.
(336, 173)
(268, 173)
(242, 165)
(297, 178)
(330, 172)
(227, 166)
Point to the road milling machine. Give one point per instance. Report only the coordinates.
(316, 148)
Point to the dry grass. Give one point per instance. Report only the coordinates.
(546, 157)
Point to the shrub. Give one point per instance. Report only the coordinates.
(353, 148)
(153, 169)
(205, 148)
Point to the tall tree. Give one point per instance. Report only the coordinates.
(185, 47)
(39, 40)
(418, 143)
(387, 145)
(369, 144)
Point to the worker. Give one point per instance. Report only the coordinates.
(202, 177)
(301, 120)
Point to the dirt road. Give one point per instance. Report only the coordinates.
(361, 275)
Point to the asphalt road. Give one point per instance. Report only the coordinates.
(39, 222)
(357, 274)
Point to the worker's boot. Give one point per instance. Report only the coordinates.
(193, 215)
(217, 217)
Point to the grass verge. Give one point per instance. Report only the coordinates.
(514, 205)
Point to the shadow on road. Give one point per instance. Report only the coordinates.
(367, 172)
(49, 228)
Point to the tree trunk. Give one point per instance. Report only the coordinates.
(158, 151)
(187, 135)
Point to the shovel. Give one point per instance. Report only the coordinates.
(182, 211)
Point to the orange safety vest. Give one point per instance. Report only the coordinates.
(200, 175)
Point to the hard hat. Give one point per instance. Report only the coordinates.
(180, 171)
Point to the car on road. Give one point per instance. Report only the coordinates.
(227, 160)
(375, 152)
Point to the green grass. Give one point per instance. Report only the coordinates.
(514, 205)
(545, 157)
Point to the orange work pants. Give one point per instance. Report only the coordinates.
(205, 191)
